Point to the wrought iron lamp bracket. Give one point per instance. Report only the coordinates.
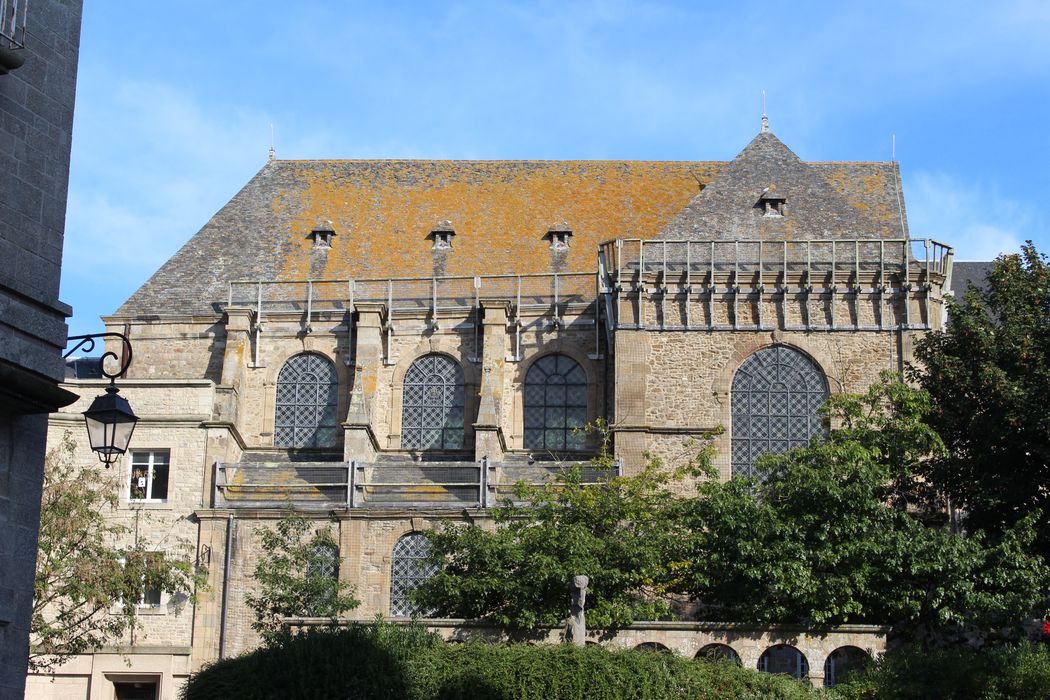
(87, 342)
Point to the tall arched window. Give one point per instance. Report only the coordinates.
(322, 563)
(307, 396)
(432, 410)
(555, 404)
(408, 569)
(776, 394)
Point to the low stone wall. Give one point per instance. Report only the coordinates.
(688, 639)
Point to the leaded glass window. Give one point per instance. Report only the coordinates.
(323, 564)
(307, 397)
(776, 394)
(325, 561)
(409, 568)
(555, 404)
(432, 411)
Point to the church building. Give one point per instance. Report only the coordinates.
(385, 345)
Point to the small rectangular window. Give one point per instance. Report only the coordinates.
(150, 597)
(149, 476)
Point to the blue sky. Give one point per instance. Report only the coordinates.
(175, 102)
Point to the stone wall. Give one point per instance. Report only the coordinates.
(37, 90)
(171, 413)
(686, 639)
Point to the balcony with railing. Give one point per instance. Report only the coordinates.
(701, 275)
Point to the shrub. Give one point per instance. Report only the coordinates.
(386, 661)
(998, 673)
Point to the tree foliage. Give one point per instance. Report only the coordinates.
(87, 581)
(620, 532)
(988, 374)
(844, 531)
(295, 577)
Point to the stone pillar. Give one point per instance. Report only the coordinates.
(359, 441)
(488, 429)
(207, 613)
(630, 422)
(234, 363)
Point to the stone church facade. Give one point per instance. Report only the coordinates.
(384, 345)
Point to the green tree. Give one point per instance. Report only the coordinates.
(841, 532)
(86, 582)
(297, 576)
(620, 532)
(844, 530)
(988, 374)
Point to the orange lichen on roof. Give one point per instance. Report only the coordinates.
(383, 211)
(866, 186)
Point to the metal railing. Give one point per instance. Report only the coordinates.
(385, 485)
(683, 282)
(859, 262)
(431, 295)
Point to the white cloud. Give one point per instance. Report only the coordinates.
(976, 220)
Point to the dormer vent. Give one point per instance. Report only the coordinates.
(322, 237)
(441, 235)
(559, 235)
(772, 202)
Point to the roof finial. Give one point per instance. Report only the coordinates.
(273, 153)
(765, 119)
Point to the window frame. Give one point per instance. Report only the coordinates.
(399, 588)
(292, 426)
(527, 388)
(141, 606)
(750, 428)
(414, 424)
(151, 466)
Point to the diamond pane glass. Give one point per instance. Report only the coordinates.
(555, 402)
(776, 394)
(409, 568)
(432, 415)
(307, 400)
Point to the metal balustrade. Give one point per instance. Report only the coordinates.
(891, 273)
(394, 482)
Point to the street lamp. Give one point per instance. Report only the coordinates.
(110, 420)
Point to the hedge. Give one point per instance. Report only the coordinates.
(1006, 672)
(386, 661)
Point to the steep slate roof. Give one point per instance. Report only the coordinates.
(822, 200)
(383, 211)
(965, 274)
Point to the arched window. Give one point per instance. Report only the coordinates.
(432, 410)
(776, 394)
(323, 563)
(307, 396)
(408, 569)
(555, 404)
(785, 659)
(842, 662)
(718, 652)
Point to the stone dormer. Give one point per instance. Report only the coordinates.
(771, 202)
(322, 237)
(441, 235)
(558, 236)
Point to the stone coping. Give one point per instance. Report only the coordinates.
(640, 625)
